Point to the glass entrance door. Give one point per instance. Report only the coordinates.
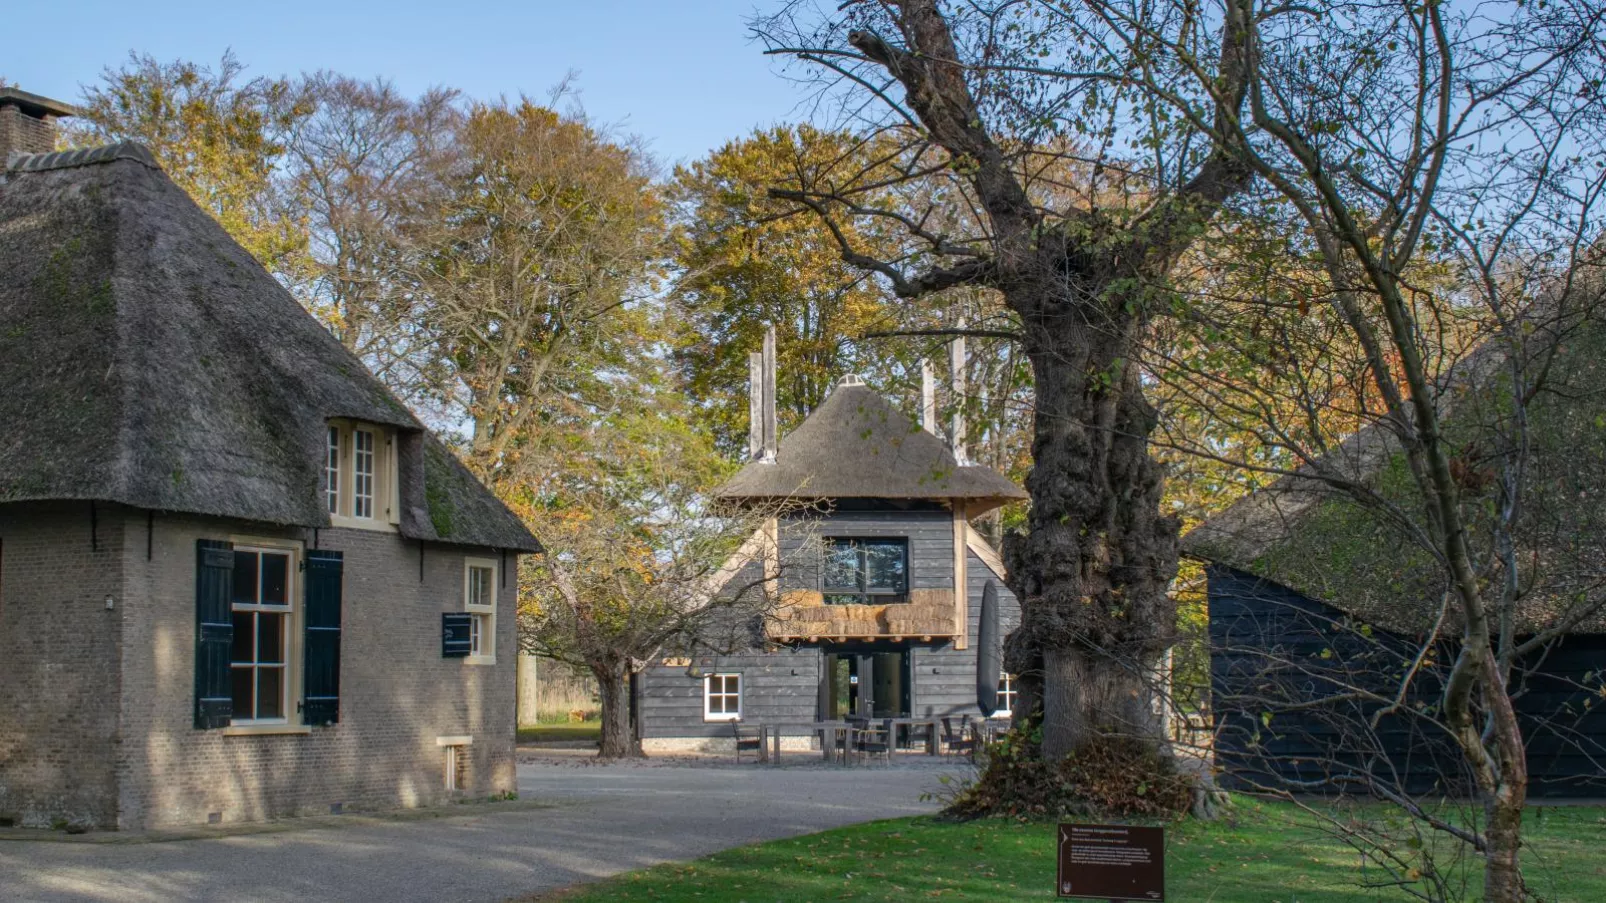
(868, 685)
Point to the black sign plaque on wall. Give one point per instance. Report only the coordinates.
(1111, 862)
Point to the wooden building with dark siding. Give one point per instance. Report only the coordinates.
(880, 579)
(1318, 607)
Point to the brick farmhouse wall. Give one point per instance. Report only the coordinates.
(59, 664)
(151, 767)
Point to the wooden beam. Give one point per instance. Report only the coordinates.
(961, 581)
(755, 406)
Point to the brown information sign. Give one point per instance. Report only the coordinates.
(1111, 862)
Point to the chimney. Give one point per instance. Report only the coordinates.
(957, 361)
(762, 440)
(28, 123)
(928, 397)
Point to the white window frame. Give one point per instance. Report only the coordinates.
(482, 625)
(708, 696)
(331, 470)
(293, 641)
(1006, 685)
(341, 487)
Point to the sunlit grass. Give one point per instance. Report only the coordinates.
(579, 730)
(1266, 853)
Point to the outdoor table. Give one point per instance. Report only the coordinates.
(930, 724)
(829, 732)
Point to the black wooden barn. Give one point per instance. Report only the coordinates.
(1318, 607)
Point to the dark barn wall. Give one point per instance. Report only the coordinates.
(1272, 650)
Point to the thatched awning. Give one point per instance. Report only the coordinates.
(147, 359)
(858, 445)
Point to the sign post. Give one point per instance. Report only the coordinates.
(1111, 862)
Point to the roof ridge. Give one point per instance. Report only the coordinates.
(83, 156)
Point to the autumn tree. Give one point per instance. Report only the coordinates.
(536, 275)
(1463, 143)
(218, 134)
(975, 93)
(367, 168)
(636, 560)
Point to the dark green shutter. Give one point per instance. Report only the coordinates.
(214, 633)
(321, 678)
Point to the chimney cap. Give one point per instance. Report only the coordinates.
(34, 105)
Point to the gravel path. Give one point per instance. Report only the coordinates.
(603, 820)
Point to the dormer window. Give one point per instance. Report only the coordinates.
(360, 475)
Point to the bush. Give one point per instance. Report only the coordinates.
(1106, 777)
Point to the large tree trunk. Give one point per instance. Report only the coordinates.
(618, 740)
(1093, 571)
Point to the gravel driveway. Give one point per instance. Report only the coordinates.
(603, 820)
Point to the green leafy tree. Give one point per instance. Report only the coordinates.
(216, 133)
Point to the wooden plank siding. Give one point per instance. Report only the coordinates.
(784, 684)
(930, 535)
(945, 677)
(1273, 649)
(776, 686)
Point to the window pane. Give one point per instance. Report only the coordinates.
(332, 470)
(245, 638)
(270, 637)
(479, 586)
(275, 579)
(476, 634)
(270, 692)
(245, 578)
(841, 565)
(244, 699)
(887, 566)
(362, 502)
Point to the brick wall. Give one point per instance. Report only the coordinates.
(21, 132)
(59, 653)
(397, 695)
(96, 706)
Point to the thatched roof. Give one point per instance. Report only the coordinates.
(147, 359)
(858, 445)
(1304, 534)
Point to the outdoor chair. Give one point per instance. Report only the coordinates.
(875, 741)
(958, 741)
(748, 739)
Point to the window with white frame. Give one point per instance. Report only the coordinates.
(479, 600)
(263, 608)
(1006, 694)
(331, 470)
(722, 697)
(360, 476)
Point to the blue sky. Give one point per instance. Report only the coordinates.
(680, 73)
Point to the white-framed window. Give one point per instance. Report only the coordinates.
(722, 697)
(479, 600)
(360, 476)
(266, 642)
(1006, 694)
(331, 470)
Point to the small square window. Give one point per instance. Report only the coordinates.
(722, 697)
(1007, 694)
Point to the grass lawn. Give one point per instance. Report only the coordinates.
(581, 730)
(1269, 854)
